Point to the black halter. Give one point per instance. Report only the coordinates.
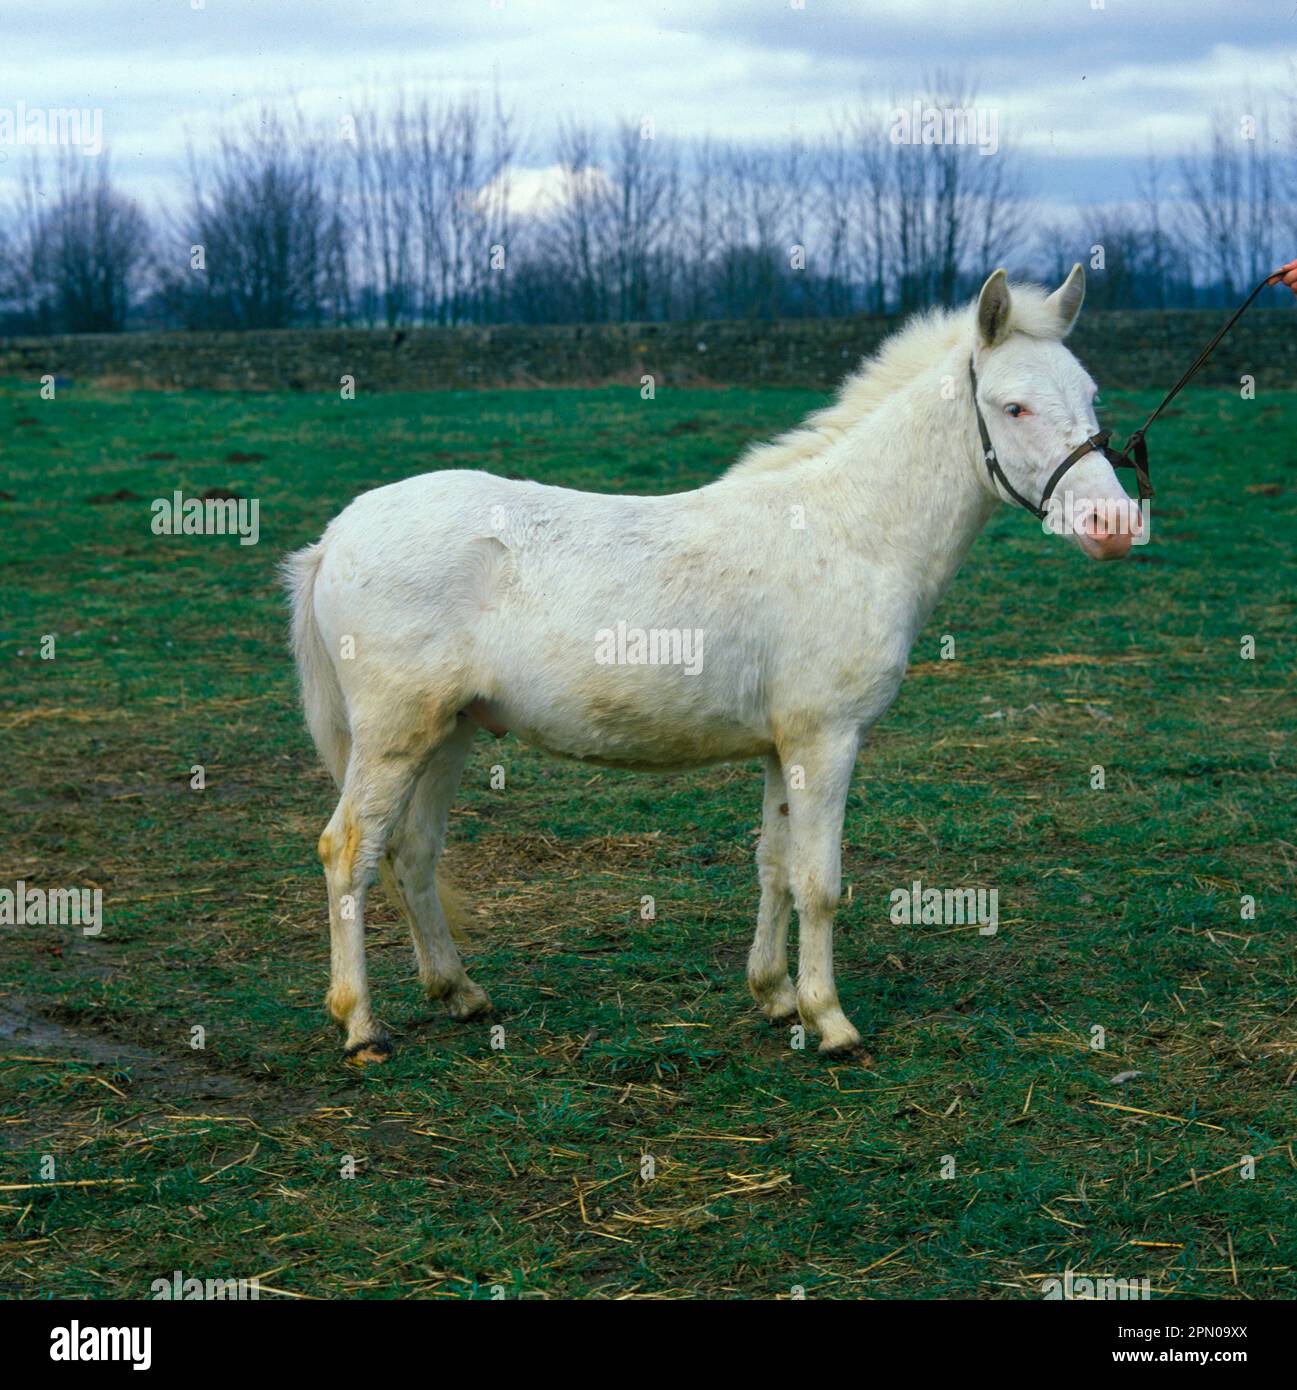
(1096, 443)
(1134, 455)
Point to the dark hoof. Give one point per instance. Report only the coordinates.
(366, 1053)
(855, 1050)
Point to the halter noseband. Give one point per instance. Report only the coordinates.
(1097, 443)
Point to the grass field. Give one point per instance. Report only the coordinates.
(520, 1169)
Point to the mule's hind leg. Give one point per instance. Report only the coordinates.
(768, 960)
(410, 872)
(376, 789)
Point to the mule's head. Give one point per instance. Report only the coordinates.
(1038, 404)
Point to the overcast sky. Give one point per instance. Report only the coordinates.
(1086, 93)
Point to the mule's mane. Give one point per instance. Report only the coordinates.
(920, 344)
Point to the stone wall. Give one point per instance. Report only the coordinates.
(1122, 349)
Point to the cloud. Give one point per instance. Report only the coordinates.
(1070, 84)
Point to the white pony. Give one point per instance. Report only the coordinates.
(767, 615)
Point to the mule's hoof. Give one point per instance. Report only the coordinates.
(838, 1039)
(781, 1006)
(367, 1053)
(468, 1002)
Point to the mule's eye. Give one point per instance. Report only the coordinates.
(1015, 410)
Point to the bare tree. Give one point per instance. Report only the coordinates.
(272, 240)
(580, 221)
(954, 209)
(754, 205)
(639, 197)
(694, 235)
(383, 199)
(1214, 186)
(78, 249)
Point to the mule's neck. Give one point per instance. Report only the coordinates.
(910, 484)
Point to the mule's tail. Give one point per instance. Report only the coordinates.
(324, 704)
(322, 698)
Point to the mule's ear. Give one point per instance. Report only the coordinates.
(993, 306)
(1067, 299)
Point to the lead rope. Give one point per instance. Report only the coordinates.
(1135, 454)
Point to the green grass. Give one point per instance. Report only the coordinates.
(520, 1167)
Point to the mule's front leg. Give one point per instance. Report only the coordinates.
(768, 960)
(817, 774)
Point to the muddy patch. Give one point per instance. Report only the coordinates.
(26, 1034)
